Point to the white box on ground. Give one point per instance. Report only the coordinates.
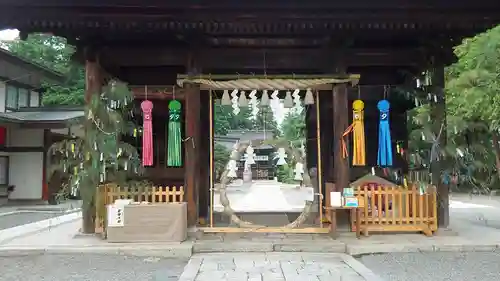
(309, 194)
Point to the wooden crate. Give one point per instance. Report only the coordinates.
(397, 209)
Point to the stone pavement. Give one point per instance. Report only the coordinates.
(435, 266)
(275, 267)
(89, 267)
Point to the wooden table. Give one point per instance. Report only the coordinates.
(333, 219)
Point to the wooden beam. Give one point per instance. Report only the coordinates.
(363, 5)
(259, 58)
(157, 92)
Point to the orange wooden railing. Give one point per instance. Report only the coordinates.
(397, 209)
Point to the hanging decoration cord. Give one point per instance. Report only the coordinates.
(384, 157)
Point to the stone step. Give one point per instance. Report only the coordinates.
(269, 246)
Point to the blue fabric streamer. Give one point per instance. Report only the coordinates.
(384, 157)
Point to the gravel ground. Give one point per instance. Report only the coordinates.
(13, 220)
(89, 267)
(481, 266)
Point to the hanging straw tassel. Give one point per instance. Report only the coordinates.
(357, 128)
(309, 99)
(174, 150)
(288, 101)
(147, 135)
(243, 99)
(384, 157)
(226, 100)
(264, 100)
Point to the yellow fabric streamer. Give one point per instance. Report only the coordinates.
(357, 128)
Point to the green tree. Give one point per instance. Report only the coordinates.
(221, 158)
(473, 114)
(265, 120)
(100, 156)
(225, 120)
(54, 53)
(293, 127)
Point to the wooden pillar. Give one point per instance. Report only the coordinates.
(93, 79)
(93, 86)
(340, 124)
(204, 154)
(438, 115)
(191, 146)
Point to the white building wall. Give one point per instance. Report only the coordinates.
(3, 90)
(34, 99)
(25, 173)
(26, 168)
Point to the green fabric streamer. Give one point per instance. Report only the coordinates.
(174, 154)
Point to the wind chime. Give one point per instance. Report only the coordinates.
(174, 156)
(357, 128)
(384, 157)
(147, 135)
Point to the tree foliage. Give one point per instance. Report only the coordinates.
(225, 120)
(54, 53)
(99, 156)
(471, 152)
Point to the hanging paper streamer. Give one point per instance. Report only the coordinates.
(299, 170)
(281, 156)
(232, 167)
(384, 157)
(234, 102)
(147, 134)
(358, 131)
(249, 156)
(274, 96)
(297, 103)
(254, 104)
(174, 156)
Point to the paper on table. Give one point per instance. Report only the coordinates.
(335, 199)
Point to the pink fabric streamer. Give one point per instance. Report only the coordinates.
(147, 133)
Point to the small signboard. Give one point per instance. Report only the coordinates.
(115, 216)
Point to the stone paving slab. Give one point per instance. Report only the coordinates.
(275, 267)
